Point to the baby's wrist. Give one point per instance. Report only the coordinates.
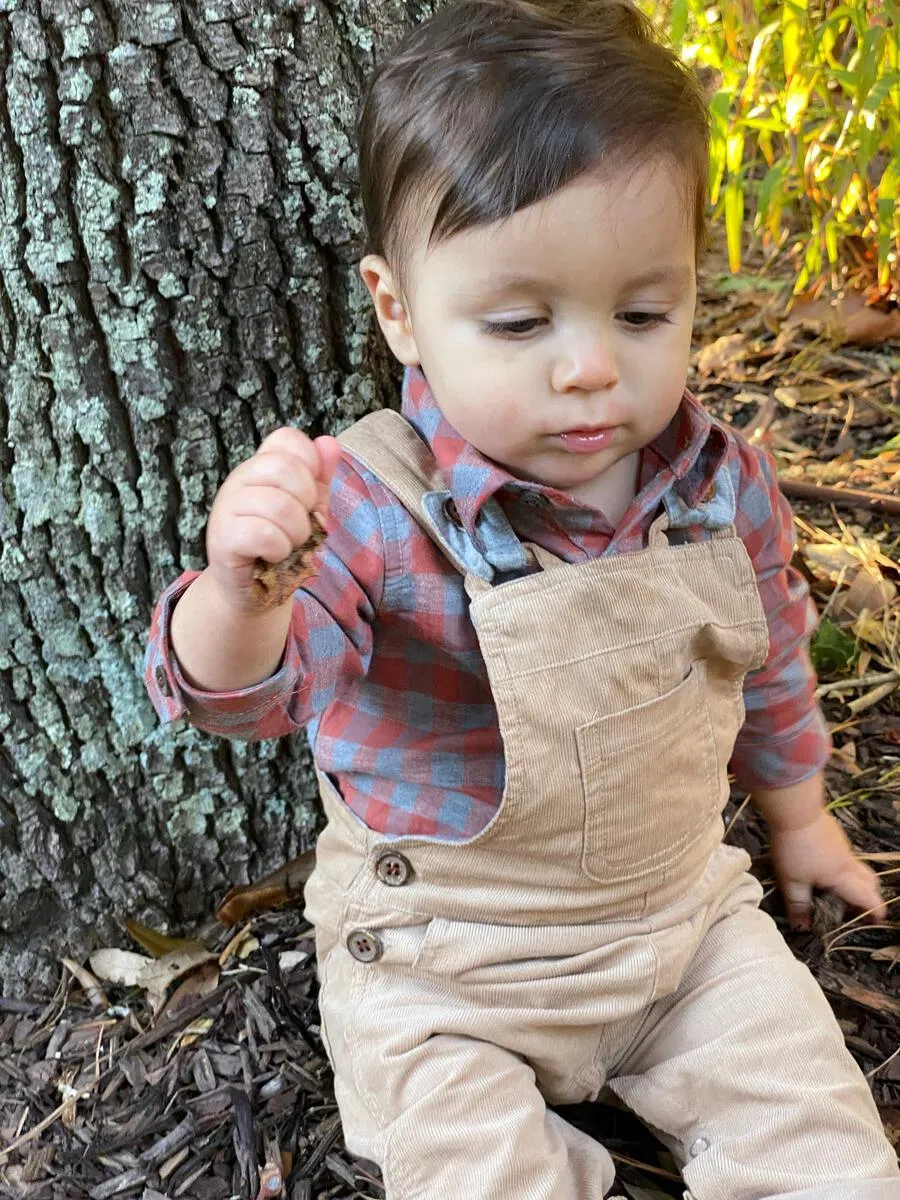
(794, 807)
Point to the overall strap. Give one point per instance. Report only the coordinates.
(391, 449)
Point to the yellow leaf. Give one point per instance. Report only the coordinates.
(734, 151)
(196, 1030)
(157, 943)
(796, 98)
(734, 220)
(792, 20)
(851, 197)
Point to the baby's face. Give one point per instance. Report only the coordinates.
(557, 341)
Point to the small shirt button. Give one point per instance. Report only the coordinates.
(162, 680)
(451, 512)
(698, 1147)
(365, 946)
(393, 869)
(534, 499)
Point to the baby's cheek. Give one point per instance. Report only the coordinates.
(505, 420)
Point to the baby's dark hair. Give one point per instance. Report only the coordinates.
(492, 105)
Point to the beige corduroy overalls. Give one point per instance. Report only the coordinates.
(596, 933)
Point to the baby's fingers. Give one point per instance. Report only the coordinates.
(859, 886)
(797, 903)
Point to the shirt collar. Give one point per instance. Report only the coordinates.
(686, 455)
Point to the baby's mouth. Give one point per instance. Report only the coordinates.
(588, 439)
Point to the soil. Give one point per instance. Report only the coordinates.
(225, 1090)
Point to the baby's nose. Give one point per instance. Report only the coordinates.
(589, 366)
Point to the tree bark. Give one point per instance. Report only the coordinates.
(178, 238)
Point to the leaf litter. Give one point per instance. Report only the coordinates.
(193, 1066)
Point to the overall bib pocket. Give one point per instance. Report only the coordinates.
(650, 781)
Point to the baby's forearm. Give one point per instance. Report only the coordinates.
(792, 807)
(221, 649)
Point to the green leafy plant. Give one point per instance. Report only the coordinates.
(805, 111)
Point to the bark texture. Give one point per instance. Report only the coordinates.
(178, 236)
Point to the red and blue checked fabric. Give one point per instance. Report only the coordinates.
(382, 666)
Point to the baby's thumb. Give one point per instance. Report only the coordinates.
(797, 903)
(329, 451)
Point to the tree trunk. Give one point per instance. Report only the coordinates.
(178, 237)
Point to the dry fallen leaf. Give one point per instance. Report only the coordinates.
(157, 943)
(155, 975)
(846, 319)
(161, 973)
(94, 992)
(274, 891)
(829, 559)
(274, 583)
(119, 966)
(192, 1033)
(199, 983)
(867, 628)
(803, 393)
(868, 592)
(732, 348)
(844, 758)
(238, 945)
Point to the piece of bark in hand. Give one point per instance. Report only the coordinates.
(274, 583)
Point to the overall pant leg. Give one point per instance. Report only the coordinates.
(446, 1114)
(744, 1072)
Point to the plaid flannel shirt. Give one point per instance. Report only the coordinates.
(382, 666)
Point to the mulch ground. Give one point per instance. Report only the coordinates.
(209, 1081)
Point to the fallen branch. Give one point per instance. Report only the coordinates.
(863, 681)
(848, 497)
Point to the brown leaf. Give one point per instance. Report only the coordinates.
(160, 973)
(275, 583)
(274, 891)
(846, 319)
(94, 992)
(157, 943)
(199, 983)
(732, 348)
(868, 592)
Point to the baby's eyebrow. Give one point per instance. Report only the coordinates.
(493, 285)
(681, 275)
(678, 275)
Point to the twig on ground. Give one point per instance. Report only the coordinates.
(849, 685)
(848, 497)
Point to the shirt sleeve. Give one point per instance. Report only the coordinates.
(329, 640)
(784, 739)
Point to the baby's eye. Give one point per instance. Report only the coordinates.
(635, 319)
(514, 329)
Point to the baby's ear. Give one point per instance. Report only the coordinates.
(389, 308)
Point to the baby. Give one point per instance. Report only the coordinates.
(554, 604)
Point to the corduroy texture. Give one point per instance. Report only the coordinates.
(596, 932)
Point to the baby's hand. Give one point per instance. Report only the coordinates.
(820, 855)
(264, 510)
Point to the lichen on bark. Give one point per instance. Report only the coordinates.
(178, 235)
